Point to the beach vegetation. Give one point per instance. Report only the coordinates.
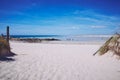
(4, 46)
(111, 45)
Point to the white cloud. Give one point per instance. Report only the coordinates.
(74, 27)
(90, 17)
(94, 16)
(98, 27)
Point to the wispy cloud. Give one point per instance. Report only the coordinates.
(98, 27)
(96, 18)
(76, 23)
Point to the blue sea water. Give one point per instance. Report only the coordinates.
(96, 38)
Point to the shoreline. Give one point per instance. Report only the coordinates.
(53, 41)
(63, 38)
(62, 42)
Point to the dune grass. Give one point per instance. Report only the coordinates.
(3, 45)
(112, 44)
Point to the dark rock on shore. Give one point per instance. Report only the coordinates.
(33, 40)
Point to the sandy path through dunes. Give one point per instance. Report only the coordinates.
(36, 61)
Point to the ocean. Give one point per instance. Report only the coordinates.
(81, 38)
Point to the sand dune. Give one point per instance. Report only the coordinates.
(40, 61)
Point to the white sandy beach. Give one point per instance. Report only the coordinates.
(45, 61)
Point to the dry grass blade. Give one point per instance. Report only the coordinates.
(113, 44)
(4, 46)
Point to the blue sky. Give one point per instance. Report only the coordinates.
(60, 17)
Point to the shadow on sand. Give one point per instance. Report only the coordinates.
(8, 57)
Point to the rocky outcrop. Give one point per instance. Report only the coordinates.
(33, 40)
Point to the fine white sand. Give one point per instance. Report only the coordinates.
(45, 61)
